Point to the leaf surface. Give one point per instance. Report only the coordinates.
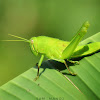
(53, 85)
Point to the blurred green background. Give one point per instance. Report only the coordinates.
(27, 18)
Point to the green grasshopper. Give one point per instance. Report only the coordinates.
(60, 50)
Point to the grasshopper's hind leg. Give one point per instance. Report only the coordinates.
(68, 68)
(63, 61)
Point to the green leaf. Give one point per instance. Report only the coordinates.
(53, 85)
(88, 72)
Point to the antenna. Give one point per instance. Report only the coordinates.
(22, 39)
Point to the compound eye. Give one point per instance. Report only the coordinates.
(32, 41)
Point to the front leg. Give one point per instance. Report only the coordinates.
(39, 64)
